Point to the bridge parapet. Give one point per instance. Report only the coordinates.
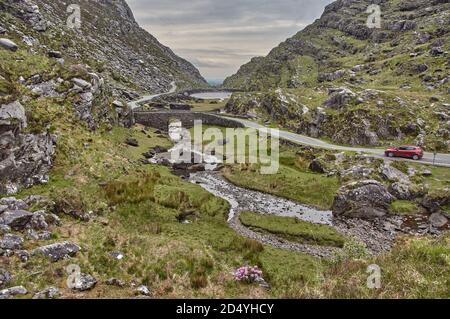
(161, 120)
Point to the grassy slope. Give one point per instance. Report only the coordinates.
(293, 229)
(137, 215)
(293, 181)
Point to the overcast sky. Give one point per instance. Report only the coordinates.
(218, 36)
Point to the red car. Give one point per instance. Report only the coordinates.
(414, 152)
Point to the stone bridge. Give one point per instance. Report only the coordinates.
(161, 120)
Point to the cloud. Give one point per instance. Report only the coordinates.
(219, 36)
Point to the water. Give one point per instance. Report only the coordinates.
(220, 95)
(242, 199)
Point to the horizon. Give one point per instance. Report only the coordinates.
(218, 38)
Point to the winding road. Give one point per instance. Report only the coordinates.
(440, 160)
(147, 98)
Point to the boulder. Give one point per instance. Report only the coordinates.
(401, 191)
(84, 282)
(38, 221)
(12, 292)
(318, 166)
(47, 293)
(58, 251)
(13, 204)
(363, 199)
(143, 290)
(438, 220)
(392, 174)
(55, 54)
(8, 44)
(11, 242)
(16, 219)
(132, 142)
(5, 278)
(13, 113)
(339, 98)
(82, 83)
(115, 282)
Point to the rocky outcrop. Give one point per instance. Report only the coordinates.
(109, 35)
(364, 199)
(8, 44)
(5, 278)
(84, 282)
(47, 293)
(12, 292)
(25, 158)
(58, 251)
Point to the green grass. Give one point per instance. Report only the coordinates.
(208, 105)
(147, 139)
(403, 207)
(293, 181)
(293, 229)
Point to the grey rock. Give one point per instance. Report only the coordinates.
(392, 174)
(47, 293)
(426, 173)
(438, 220)
(38, 235)
(143, 290)
(84, 282)
(13, 204)
(2, 30)
(11, 242)
(55, 54)
(4, 229)
(12, 292)
(81, 83)
(12, 113)
(339, 98)
(8, 44)
(363, 199)
(58, 251)
(318, 166)
(38, 221)
(115, 282)
(401, 190)
(132, 142)
(23, 255)
(16, 219)
(5, 278)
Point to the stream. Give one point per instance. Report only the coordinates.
(377, 235)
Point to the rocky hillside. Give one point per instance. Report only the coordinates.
(109, 40)
(357, 85)
(54, 79)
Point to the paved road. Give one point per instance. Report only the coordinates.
(148, 98)
(441, 159)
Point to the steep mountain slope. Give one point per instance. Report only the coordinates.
(57, 82)
(404, 65)
(109, 40)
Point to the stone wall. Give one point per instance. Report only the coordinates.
(161, 120)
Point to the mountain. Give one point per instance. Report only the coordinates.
(109, 40)
(342, 80)
(58, 84)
